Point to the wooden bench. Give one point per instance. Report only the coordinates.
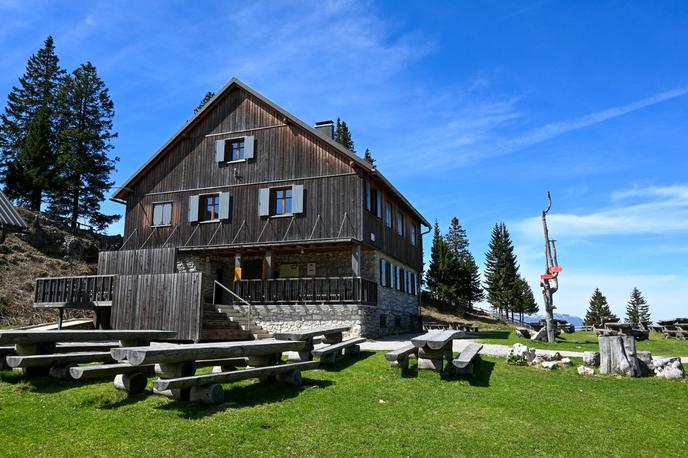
(208, 389)
(331, 353)
(463, 364)
(400, 357)
(330, 335)
(58, 364)
(434, 347)
(5, 351)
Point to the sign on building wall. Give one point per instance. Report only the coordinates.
(288, 270)
(311, 269)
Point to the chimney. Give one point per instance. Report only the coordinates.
(325, 128)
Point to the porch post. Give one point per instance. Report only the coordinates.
(356, 260)
(238, 264)
(267, 265)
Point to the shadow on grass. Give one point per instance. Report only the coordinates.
(120, 399)
(243, 396)
(482, 372)
(45, 384)
(346, 361)
(502, 335)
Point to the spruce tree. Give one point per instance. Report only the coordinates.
(86, 113)
(433, 276)
(35, 95)
(368, 156)
(524, 300)
(343, 136)
(598, 310)
(206, 98)
(637, 310)
(501, 270)
(465, 278)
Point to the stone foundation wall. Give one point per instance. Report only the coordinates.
(363, 319)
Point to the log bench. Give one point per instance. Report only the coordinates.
(58, 364)
(331, 353)
(208, 389)
(329, 334)
(464, 363)
(400, 357)
(434, 347)
(5, 351)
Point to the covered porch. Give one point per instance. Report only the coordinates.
(338, 272)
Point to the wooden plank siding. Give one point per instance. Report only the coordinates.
(159, 301)
(285, 154)
(146, 261)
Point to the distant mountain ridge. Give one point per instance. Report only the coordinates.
(574, 320)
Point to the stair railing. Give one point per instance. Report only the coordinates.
(241, 299)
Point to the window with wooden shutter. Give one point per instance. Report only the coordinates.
(162, 214)
(388, 274)
(225, 204)
(234, 149)
(414, 234)
(193, 209)
(400, 223)
(388, 214)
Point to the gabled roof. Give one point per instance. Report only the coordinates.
(8, 214)
(236, 83)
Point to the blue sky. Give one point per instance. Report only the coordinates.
(473, 109)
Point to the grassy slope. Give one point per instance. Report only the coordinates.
(505, 410)
(587, 341)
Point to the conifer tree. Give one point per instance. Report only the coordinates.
(86, 113)
(342, 135)
(206, 98)
(501, 270)
(465, 276)
(368, 156)
(524, 301)
(433, 276)
(637, 310)
(26, 167)
(598, 310)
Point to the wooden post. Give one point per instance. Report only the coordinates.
(549, 282)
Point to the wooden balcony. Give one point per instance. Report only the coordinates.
(325, 290)
(74, 292)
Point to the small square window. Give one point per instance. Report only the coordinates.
(162, 214)
(209, 207)
(234, 150)
(280, 199)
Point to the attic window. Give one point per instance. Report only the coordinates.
(234, 150)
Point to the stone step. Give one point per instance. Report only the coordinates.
(220, 324)
(214, 316)
(225, 334)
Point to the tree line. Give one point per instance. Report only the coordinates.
(55, 135)
(599, 312)
(453, 276)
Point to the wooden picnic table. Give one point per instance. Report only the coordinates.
(28, 336)
(434, 347)
(42, 352)
(331, 335)
(174, 361)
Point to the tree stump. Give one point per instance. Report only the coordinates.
(618, 356)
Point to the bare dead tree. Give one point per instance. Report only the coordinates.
(549, 281)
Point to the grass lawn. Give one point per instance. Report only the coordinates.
(587, 341)
(504, 410)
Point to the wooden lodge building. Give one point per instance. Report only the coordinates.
(248, 218)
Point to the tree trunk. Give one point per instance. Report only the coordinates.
(36, 197)
(75, 210)
(618, 356)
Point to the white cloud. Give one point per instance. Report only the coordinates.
(655, 210)
(475, 135)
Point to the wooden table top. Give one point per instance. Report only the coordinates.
(436, 340)
(29, 336)
(309, 333)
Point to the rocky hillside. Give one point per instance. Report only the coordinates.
(47, 249)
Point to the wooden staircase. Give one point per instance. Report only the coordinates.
(223, 322)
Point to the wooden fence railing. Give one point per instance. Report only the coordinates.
(74, 292)
(339, 290)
